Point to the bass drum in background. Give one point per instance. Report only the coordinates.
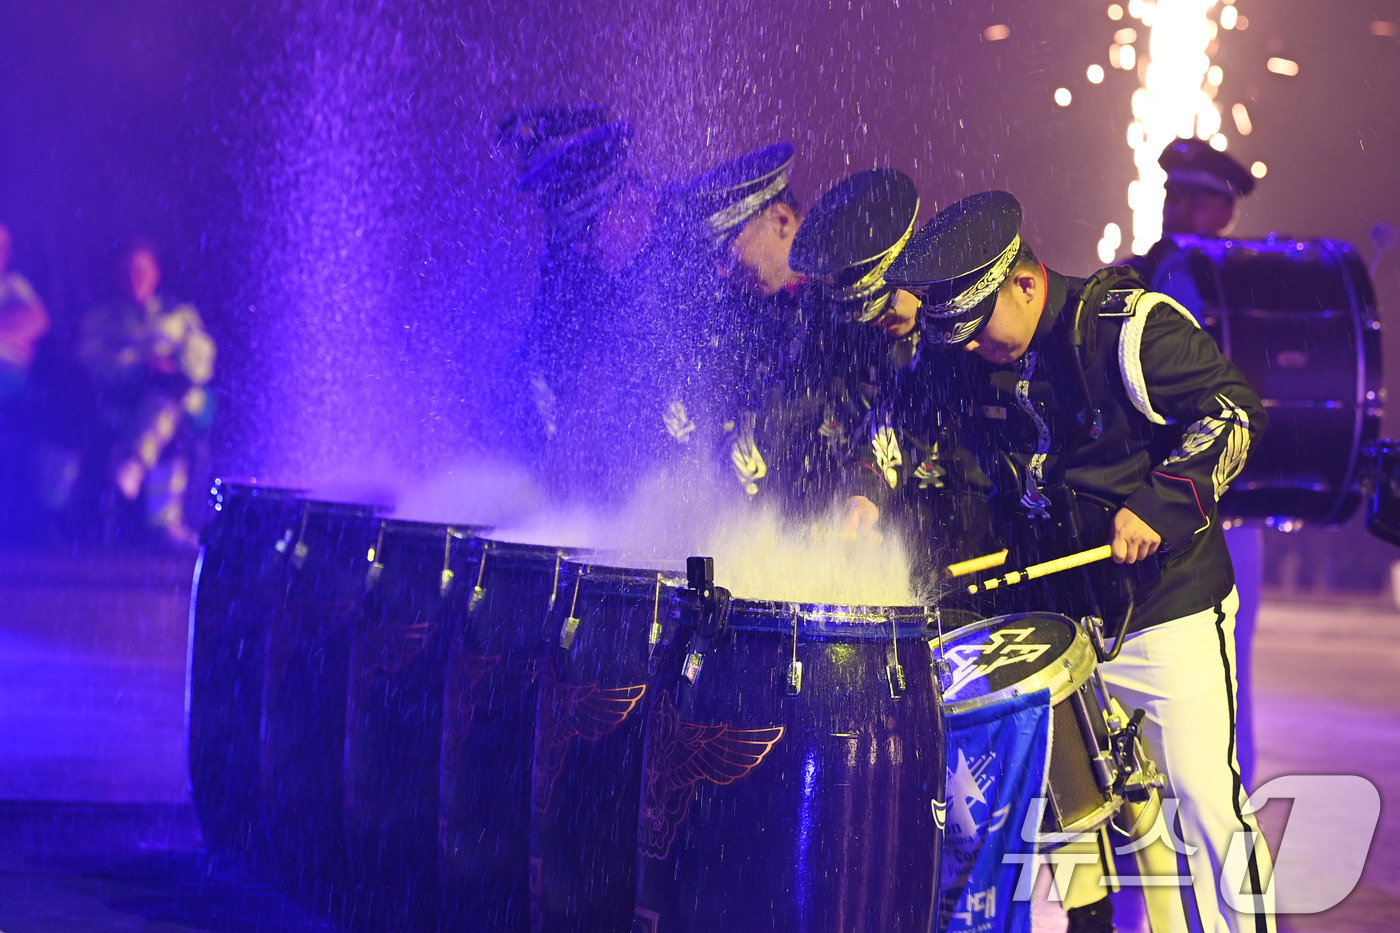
(1299, 320)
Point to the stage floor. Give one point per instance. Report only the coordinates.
(97, 833)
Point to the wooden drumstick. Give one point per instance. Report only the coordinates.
(1068, 562)
(974, 564)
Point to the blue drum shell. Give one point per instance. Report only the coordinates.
(813, 809)
(587, 775)
(307, 656)
(414, 593)
(236, 589)
(496, 653)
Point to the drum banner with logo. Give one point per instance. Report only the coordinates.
(998, 757)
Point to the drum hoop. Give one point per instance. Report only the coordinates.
(343, 509)
(816, 621)
(408, 528)
(254, 490)
(518, 552)
(586, 574)
(1062, 676)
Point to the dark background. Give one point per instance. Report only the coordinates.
(324, 182)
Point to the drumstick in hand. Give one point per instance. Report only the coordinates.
(974, 564)
(1068, 562)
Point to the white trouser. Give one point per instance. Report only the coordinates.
(1182, 674)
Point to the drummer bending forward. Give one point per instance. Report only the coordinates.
(1151, 421)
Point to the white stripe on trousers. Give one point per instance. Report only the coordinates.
(1182, 673)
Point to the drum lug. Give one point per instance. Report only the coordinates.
(569, 632)
(479, 589)
(794, 678)
(943, 670)
(447, 572)
(300, 549)
(1093, 626)
(693, 662)
(898, 682)
(376, 561)
(1104, 770)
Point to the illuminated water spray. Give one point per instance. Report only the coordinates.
(1177, 97)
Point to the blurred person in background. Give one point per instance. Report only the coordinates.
(150, 361)
(23, 321)
(863, 335)
(1202, 187)
(735, 330)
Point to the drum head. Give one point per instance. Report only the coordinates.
(1012, 655)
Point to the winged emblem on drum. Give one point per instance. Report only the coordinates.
(466, 674)
(682, 754)
(390, 646)
(574, 711)
(1003, 647)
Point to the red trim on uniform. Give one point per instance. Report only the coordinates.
(792, 287)
(1192, 484)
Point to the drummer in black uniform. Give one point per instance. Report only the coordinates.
(741, 328)
(1103, 414)
(599, 217)
(863, 338)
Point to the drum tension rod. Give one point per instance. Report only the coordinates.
(447, 572)
(300, 549)
(794, 671)
(894, 671)
(479, 591)
(376, 562)
(569, 630)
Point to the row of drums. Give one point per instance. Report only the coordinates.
(416, 727)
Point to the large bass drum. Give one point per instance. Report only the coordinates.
(1299, 320)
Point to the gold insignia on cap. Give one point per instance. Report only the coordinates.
(726, 219)
(984, 287)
